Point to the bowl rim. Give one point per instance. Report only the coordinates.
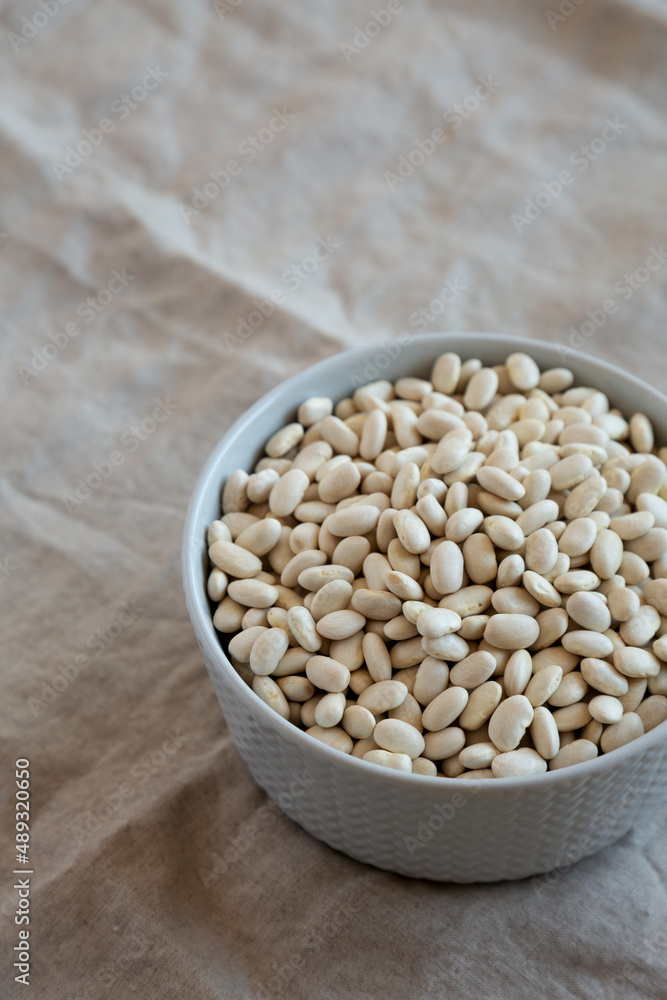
(198, 603)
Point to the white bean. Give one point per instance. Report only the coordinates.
(544, 733)
(385, 758)
(267, 689)
(604, 677)
(327, 674)
(510, 721)
(334, 737)
(605, 708)
(444, 743)
(629, 728)
(474, 554)
(399, 737)
(574, 753)
(383, 696)
(517, 763)
(511, 631)
(444, 709)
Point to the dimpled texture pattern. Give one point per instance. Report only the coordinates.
(436, 828)
(452, 831)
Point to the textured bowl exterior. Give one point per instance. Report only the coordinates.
(454, 830)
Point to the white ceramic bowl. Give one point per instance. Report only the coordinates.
(436, 828)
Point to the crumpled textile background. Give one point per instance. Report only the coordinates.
(198, 200)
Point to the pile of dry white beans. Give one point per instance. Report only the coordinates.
(463, 577)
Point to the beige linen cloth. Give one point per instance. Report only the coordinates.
(381, 168)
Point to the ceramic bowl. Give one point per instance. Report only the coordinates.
(452, 830)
